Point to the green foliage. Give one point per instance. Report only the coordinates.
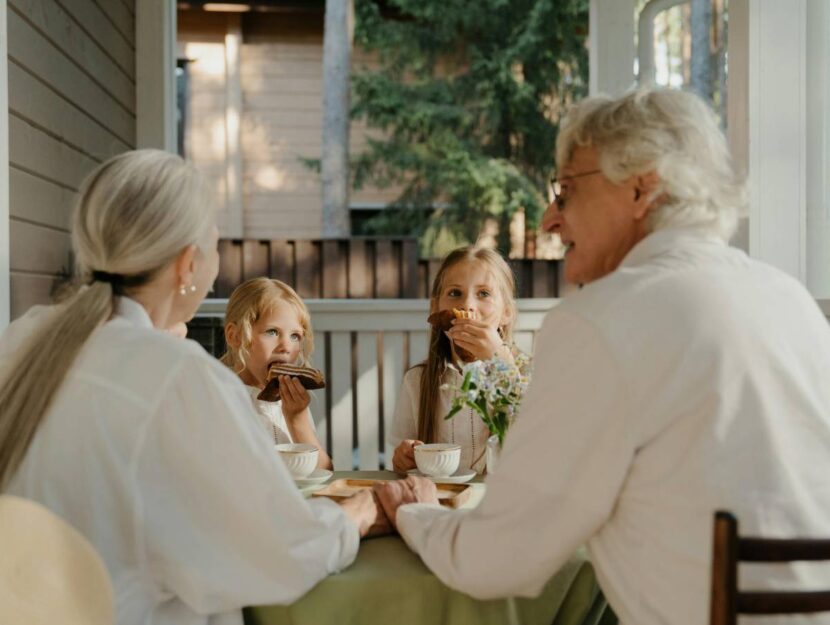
(468, 96)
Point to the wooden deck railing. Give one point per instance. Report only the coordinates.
(356, 268)
(364, 347)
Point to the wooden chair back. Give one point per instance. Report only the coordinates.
(730, 549)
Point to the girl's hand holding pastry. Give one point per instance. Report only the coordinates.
(479, 338)
(295, 398)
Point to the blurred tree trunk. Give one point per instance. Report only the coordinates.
(337, 43)
(701, 61)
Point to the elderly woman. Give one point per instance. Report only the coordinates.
(682, 378)
(139, 439)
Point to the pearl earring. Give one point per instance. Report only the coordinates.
(183, 290)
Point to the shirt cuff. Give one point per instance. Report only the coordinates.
(333, 517)
(414, 521)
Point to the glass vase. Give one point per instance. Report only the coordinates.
(493, 453)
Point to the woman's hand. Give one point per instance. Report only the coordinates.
(479, 338)
(404, 458)
(294, 396)
(366, 512)
(413, 489)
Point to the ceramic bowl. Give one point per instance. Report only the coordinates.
(438, 459)
(300, 459)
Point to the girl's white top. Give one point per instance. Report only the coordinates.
(465, 428)
(152, 451)
(271, 416)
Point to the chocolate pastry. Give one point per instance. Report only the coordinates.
(442, 321)
(311, 379)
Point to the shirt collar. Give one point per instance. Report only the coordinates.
(133, 312)
(666, 240)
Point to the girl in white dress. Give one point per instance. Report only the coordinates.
(479, 281)
(140, 440)
(267, 322)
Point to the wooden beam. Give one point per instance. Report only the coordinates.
(155, 38)
(235, 224)
(5, 292)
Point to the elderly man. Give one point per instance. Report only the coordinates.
(683, 378)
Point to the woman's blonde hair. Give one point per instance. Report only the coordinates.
(675, 134)
(135, 213)
(439, 345)
(249, 302)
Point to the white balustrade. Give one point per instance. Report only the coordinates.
(364, 347)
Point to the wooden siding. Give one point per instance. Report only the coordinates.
(358, 268)
(71, 106)
(281, 71)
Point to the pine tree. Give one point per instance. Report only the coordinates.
(468, 97)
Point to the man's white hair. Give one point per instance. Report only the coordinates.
(672, 133)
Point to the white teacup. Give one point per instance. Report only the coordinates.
(438, 459)
(300, 458)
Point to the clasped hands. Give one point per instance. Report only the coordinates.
(375, 512)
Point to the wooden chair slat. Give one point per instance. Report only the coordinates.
(782, 550)
(729, 549)
(783, 602)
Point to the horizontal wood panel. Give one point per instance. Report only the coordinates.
(41, 58)
(38, 249)
(33, 150)
(39, 200)
(260, 84)
(261, 52)
(31, 99)
(95, 21)
(64, 32)
(29, 290)
(258, 204)
(121, 17)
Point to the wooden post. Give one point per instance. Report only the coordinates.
(701, 58)
(235, 224)
(5, 267)
(155, 65)
(724, 570)
(337, 42)
(611, 47)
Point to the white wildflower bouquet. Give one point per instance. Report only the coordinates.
(494, 389)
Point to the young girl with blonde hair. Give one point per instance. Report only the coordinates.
(478, 281)
(267, 322)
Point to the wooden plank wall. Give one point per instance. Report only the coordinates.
(356, 268)
(71, 106)
(281, 61)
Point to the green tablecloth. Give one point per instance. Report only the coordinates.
(388, 584)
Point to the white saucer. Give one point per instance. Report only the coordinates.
(459, 477)
(318, 476)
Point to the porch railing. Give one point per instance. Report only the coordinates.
(364, 347)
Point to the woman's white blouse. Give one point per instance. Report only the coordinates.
(152, 450)
(465, 428)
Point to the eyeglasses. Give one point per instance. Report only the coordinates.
(556, 187)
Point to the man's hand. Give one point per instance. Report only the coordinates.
(413, 489)
(404, 458)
